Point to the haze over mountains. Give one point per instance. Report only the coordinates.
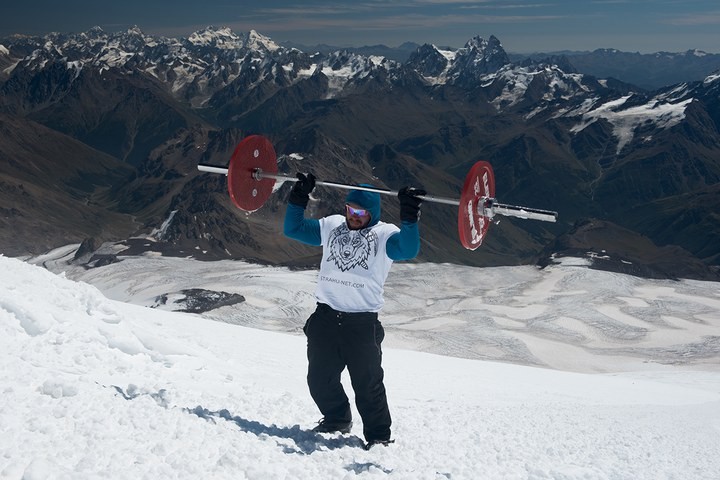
(102, 133)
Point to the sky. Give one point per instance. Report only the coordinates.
(522, 26)
(95, 387)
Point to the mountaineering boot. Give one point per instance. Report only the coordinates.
(330, 426)
(372, 443)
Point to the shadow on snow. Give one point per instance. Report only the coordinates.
(304, 442)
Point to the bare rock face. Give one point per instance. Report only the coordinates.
(198, 300)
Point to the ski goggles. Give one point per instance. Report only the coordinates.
(356, 212)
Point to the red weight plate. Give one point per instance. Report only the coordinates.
(472, 226)
(247, 192)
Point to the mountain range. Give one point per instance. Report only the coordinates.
(648, 71)
(102, 133)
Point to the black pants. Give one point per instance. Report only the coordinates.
(337, 340)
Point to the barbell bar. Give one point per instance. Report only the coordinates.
(252, 174)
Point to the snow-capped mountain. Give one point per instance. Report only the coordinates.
(558, 139)
(466, 66)
(208, 61)
(194, 68)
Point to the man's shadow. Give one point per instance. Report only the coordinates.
(292, 440)
(305, 441)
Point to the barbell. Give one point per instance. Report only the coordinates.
(252, 174)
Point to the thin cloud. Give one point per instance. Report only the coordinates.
(709, 18)
(314, 10)
(411, 21)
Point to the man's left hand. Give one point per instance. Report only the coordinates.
(410, 203)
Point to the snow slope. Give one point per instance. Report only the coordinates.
(566, 316)
(97, 388)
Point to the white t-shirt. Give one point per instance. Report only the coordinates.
(354, 266)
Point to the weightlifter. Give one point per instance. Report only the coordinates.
(344, 331)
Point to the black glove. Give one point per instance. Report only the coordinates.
(300, 193)
(410, 203)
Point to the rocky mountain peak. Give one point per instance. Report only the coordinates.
(256, 41)
(479, 43)
(480, 56)
(429, 61)
(221, 38)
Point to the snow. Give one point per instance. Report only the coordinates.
(222, 38)
(517, 80)
(256, 40)
(99, 388)
(377, 60)
(450, 55)
(711, 78)
(337, 78)
(159, 233)
(624, 121)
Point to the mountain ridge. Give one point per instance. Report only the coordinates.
(649, 71)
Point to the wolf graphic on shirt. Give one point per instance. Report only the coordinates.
(351, 248)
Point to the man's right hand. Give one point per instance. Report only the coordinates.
(300, 193)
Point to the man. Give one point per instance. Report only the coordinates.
(344, 331)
